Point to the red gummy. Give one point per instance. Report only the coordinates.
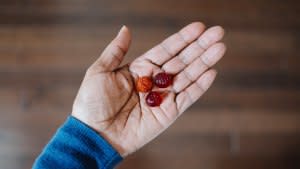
(163, 80)
(154, 99)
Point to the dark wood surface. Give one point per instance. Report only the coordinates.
(250, 118)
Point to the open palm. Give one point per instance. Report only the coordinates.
(108, 102)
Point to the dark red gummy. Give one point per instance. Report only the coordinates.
(163, 80)
(154, 99)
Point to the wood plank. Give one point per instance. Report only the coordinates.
(146, 162)
(237, 14)
(263, 51)
(222, 97)
(212, 144)
(52, 49)
(242, 121)
(271, 154)
(263, 80)
(18, 149)
(8, 60)
(10, 100)
(270, 144)
(294, 59)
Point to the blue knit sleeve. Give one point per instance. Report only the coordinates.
(77, 146)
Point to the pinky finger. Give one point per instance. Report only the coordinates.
(192, 93)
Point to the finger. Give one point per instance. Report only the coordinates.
(175, 43)
(198, 66)
(113, 54)
(191, 94)
(194, 50)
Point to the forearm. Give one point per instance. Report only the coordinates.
(75, 145)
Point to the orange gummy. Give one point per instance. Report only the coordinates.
(144, 84)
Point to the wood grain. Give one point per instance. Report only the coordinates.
(243, 14)
(54, 48)
(248, 119)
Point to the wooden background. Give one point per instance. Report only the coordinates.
(250, 118)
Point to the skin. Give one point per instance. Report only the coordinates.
(108, 102)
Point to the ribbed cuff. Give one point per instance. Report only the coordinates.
(93, 142)
(76, 146)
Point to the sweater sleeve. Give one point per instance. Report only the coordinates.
(77, 146)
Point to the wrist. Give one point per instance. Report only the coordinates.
(100, 130)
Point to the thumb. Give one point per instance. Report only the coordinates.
(114, 53)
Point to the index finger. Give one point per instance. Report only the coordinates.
(168, 48)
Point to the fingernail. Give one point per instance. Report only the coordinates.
(122, 29)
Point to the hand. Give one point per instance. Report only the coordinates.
(108, 102)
